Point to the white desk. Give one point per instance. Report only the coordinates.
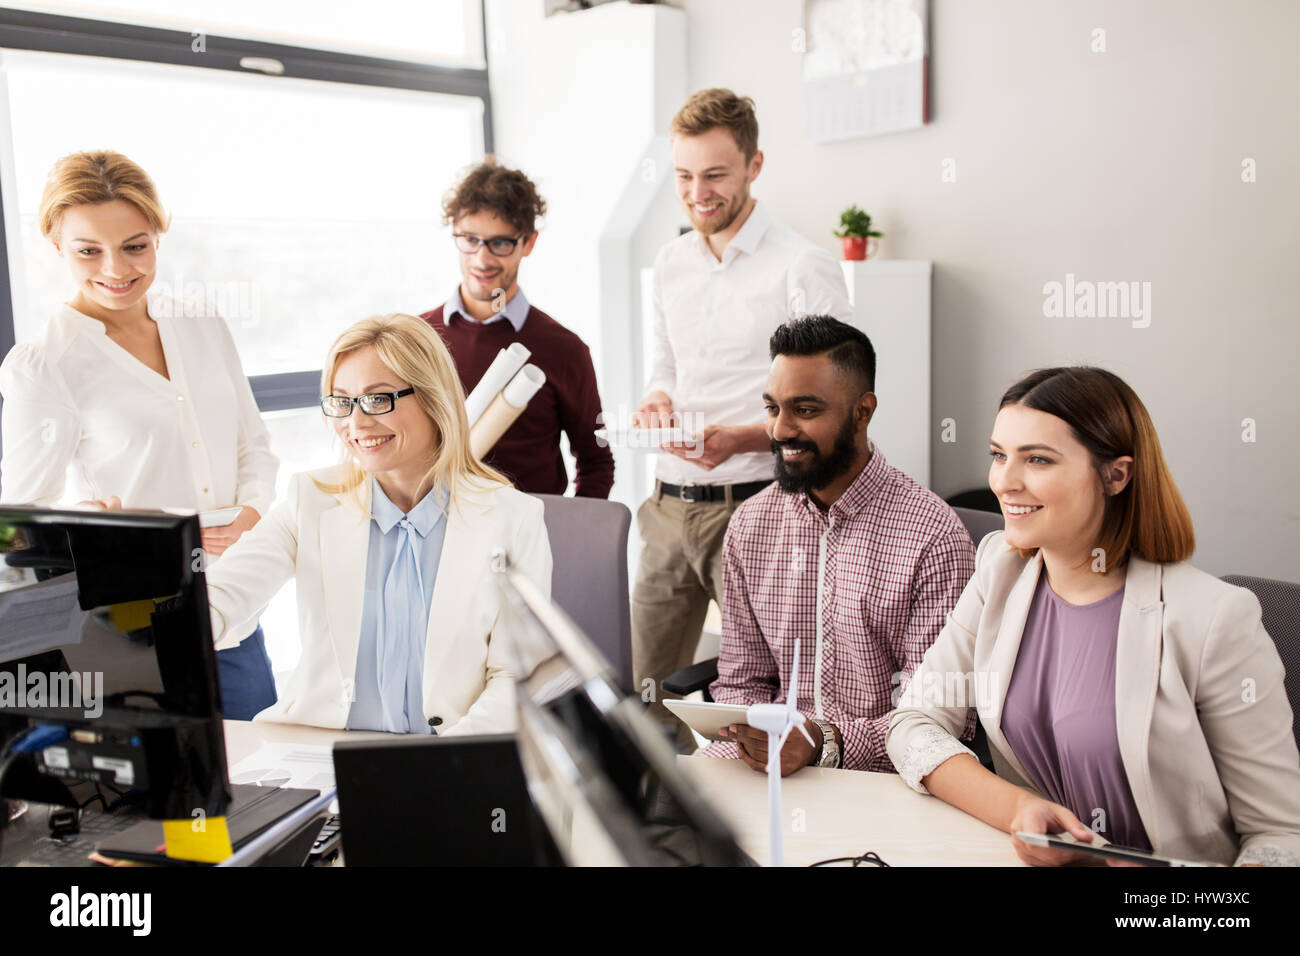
(847, 813)
(243, 737)
(844, 812)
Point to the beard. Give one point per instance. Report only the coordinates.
(724, 218)
(820, 470)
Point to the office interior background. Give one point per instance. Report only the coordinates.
(303, 151)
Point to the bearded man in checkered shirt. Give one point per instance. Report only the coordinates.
(844, 552)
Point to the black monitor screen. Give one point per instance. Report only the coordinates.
(104, 630)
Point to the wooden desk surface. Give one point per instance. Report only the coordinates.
(847, 813)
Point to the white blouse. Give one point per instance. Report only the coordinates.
(84, 419)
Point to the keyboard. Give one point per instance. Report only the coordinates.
(75, 849)
(327, 842)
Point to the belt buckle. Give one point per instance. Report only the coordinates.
(681, 492)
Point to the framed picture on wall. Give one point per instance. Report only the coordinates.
(865, 67)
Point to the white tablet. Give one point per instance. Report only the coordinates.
(706, 717)
(218, 517)
(642, 439)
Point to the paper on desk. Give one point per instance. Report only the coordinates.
(37, 616)
(300, 766)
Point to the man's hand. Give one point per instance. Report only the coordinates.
(656, 411)
(796, 753)
(714, 444)
(217, 540)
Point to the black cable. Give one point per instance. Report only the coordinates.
(870, 857)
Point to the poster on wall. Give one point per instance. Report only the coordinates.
(865, 67)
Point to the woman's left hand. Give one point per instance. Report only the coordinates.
(217, 540)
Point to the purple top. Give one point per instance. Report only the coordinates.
(1059, 715)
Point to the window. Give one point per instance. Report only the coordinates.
(302, 151)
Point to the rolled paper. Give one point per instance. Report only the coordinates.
(524, 386)
(505, 409)
(503, 368)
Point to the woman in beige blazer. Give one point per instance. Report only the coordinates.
(1194, 744)
(398, 608)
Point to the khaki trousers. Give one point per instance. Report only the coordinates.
(680, 571)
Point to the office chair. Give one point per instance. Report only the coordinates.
(589, 573)
(979, 523)
(1280, 603)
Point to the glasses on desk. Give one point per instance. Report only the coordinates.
(497, 245)
(376, 403)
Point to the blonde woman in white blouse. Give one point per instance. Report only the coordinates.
(121, 398)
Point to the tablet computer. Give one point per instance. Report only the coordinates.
(706, 717)
(1064, 841)
(218, 517)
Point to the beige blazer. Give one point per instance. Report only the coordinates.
(1204, 725)
(322, 540)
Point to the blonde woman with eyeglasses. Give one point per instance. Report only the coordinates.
(390, 551)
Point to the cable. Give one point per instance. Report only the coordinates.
(870, 857)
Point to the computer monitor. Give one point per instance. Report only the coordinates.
(104, 631)
(601, 774)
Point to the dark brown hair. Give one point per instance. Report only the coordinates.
(1149, 517)
(708, 109)
(507, 193)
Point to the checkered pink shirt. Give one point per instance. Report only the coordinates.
(893, 559)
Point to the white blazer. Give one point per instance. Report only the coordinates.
(1204, 725)
(322, 540)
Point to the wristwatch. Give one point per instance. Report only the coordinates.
(830, 755)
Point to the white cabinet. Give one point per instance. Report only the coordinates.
(891, 303)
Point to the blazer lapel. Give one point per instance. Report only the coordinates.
(344, 533)
(1002, 658)
(463, 561)
(1137, 678)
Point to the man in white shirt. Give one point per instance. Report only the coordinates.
(719, 293)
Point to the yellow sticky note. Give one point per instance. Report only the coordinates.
(131, 615)
(205, 840)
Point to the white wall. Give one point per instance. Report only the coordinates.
(1122, 165)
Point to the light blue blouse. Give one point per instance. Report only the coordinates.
(403, 711)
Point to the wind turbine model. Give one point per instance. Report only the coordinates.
(778, 720)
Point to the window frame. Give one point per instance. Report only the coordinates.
(57, 33)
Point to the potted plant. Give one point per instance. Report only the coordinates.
(857, 235)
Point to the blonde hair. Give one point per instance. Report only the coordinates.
(415, 353)
(708, 109)
(83, 179)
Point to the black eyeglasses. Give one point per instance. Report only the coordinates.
(497, 245)
(376, 403)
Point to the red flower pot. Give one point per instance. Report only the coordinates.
(857, 248)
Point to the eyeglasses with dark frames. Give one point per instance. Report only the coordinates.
(376, 403)
(498, 245)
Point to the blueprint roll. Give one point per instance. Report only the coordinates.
(499, 374)
(505, 408)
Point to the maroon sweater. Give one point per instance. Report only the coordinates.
(529, 452)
